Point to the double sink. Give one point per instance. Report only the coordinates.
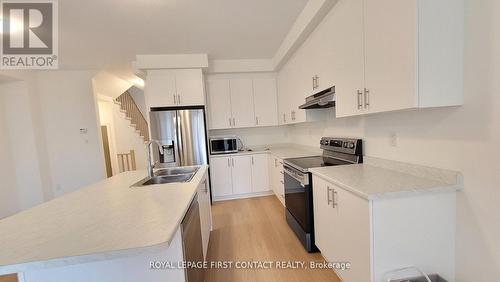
(169, 175)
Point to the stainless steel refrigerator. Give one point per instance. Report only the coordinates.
(182, 134)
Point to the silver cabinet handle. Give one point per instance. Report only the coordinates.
(178, 99)
(282, 182)
(328, 189)
(252, 161)
(256, 120)
(316, 80)
(230, 122)
(232, 161)
(314, 83)
(360, 105)
(367, 98)
(335, 196)
(275, 163)
(175, 100)
(284, 118)
(234, 122)
(228, 163)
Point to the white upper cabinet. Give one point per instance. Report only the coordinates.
(171, 88)
(189, 84)
(242, 102)
(160, 90)
(265, 101)
(390, 55)
(348, 55)
(412, 56)
(381, 55)
(219, 103)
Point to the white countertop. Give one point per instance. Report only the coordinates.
(378, 178)
(102, 221)
(282, 151)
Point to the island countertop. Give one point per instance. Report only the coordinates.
(102, 221)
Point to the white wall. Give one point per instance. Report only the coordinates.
(8, 188)
(68, 105)
(466, 139)
(256, 136)
(25, 159)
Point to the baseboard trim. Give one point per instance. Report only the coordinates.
(243, 196)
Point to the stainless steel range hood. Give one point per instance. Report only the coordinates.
(321, 100)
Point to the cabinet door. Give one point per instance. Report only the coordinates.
(160, 88)
(260, 173)
(391, 54)
(205, 214)
(325, 218)
(337, 209)
(280, 181)
(353, 243)
(242, 102)
(220, 171)
(348, 62)
(219, 103)
(189, 84)
(242, 174)
(265, 101)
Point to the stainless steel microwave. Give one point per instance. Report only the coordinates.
(223, 145)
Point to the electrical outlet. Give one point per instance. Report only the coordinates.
(394, 139)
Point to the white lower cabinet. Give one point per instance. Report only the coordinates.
(241, 167)
(342, 229)
(205, 213)
(239, 176)
(380, 235)
(276, 177)
(260, 173)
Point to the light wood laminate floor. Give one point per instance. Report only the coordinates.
(255, 230)
(8, 278)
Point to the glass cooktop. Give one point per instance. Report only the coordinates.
(306, 163)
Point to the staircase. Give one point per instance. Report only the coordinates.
(132, 113)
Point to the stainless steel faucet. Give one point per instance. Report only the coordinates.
(148, 151)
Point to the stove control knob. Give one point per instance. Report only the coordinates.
(346, 144)
(351, 145)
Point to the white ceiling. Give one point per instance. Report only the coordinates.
(103, 33)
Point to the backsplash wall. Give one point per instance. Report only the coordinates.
(256, 136)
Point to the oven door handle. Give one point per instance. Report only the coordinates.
(291, 174)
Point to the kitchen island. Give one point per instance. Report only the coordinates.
(104, 232)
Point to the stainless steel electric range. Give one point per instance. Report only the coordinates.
(298, 183)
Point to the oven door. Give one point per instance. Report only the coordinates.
(298, 197)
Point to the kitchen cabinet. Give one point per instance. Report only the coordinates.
(241, 167)
(276, 173)
(221, 177)
(260, 173)
(219, 104)
(381, 234)
(205, 213)
(265, 101)
(348, 69)
(412, 56)
(240, 102)
(242, 106)
(171, 88)
(239, 176)
(337, 209)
